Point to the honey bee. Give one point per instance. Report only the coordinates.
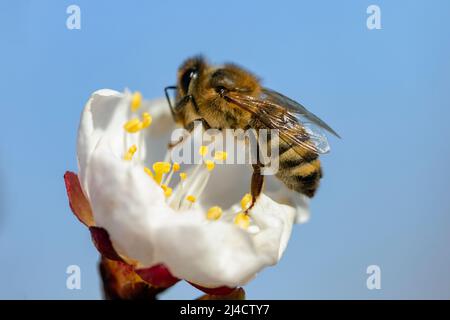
(229, 96)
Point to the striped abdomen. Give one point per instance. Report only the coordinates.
(299, 169)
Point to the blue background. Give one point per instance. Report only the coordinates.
(385, 196)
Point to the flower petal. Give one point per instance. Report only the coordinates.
(144, 228)
(102, 242)
(78, 203)
(120, 282)
(276, 190)
(219, 253)
(158, 276)
(102, 121)
(219, 291)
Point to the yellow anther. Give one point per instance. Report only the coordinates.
(149, 172)
(209, 164)
(176, 166)
(132, 126)
(242, 220)
(146, 120)
(131, 151)
(203, 150)
(135, 125)
(214, 213)
(191, 198)
(136, 101)
(160, 168)
(183, 175)
(220, 155)
(246, 201)
(167, 190)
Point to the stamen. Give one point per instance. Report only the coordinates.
(246, 201)
(146, 120)
(133, 126)
(149, 172)
(214, 213)
(194, 186)
(167, 190)
(191, 198)
(220, 155)
(131, 151)
(175, 168)
(136, 101)
(160, 168)
(242, 220)
(209, 164)
(179, 195)
(140, 150)
(203, 150)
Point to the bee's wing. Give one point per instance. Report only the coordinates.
(296, 108)
(295, 128)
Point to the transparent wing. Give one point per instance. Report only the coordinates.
(294, 128)
(296, 108)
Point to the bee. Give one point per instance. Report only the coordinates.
(229, 96)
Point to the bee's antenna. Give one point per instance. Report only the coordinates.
(166, 89)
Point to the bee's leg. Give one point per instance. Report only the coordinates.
(166, 89)
(257, 181)
(180, 104)
(256, 184)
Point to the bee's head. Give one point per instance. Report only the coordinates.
(231, 77)
(188, 73)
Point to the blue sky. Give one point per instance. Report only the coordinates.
(384, 199)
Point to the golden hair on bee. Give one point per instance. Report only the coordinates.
(228, 96)
(207, 84)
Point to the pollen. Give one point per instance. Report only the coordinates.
(133, 126)
(220, 155)
(183, 175)
(146, 120)
(242, 220)
(246, 201)
(160, 168)
(176, 167)
(136, 101)
(214, 213)
(203, 150)
(167, 190)
(191, 198)
(148, 171)
(210, 165)
(131, 151)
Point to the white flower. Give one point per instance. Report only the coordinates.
(148, 225)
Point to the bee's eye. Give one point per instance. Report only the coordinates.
(223, 80)
(186, 79)
(221, 90)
